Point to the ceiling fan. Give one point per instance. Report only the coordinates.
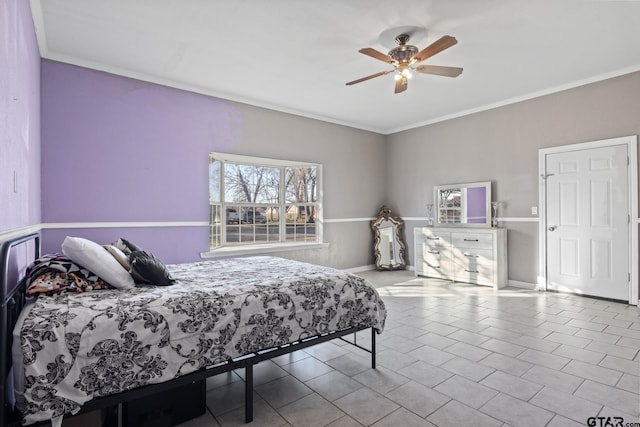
(404, 57)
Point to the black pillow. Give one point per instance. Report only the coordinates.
(146, 268)
(126, 246)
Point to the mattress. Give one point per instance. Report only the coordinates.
(76, 347)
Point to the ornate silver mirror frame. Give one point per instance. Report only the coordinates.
(389, 247)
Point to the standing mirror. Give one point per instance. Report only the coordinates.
(466, 205)
(389, 247)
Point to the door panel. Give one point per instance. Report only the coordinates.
(587, 222)
(569, 257)
(568, 203)
(601, 265)
(601, 204)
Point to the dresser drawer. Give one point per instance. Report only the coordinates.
(473, 259)
(434, 267)
(464, 256)
(472, 240)
(434, 239)
(428, 251)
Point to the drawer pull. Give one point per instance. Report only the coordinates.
(472, 256)
(434, 252)
(471, 271)
(433, 238)
(470, 240)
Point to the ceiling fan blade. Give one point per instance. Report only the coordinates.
(401, 84)
(439, 45)
(439, 70)
(381, 73)
(377, 55)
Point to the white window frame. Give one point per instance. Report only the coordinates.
(266, 247)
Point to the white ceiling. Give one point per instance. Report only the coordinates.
(296, 55)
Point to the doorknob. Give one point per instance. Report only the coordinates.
(552, 228)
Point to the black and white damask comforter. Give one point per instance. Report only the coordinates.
(76, 347)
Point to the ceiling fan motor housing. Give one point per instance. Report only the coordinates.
(404, 52)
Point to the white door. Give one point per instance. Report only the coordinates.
(587, 222)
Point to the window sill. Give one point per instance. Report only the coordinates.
(260, 249)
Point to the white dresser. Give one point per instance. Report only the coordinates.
(473, 255)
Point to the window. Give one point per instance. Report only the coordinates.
(262, 201)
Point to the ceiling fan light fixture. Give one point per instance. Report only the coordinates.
(404, 57)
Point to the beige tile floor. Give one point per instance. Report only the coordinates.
(454, 354)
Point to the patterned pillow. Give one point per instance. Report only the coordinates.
(55, 274)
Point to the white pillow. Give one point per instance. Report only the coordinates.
(98, 260)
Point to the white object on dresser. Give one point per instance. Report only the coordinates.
(476, 255)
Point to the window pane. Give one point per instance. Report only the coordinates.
(233, 234)
(271, 227)
(301, 232)
(215, 230)
(264, 229)
(300, 223)
(300, 213)
(233, 228)
(255, 225)
(251, 184)
(232, 214)
(214, 181)
(267, 185)
(301, 185)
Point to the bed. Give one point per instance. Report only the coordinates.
(76, 352)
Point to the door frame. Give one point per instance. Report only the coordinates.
(631, 142)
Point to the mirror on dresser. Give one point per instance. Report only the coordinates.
(467, 204)
(389, 247)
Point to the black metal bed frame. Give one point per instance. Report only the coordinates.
(13, 301)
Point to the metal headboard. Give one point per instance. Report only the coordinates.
(12, 301)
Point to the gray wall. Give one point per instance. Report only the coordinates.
(501, 145)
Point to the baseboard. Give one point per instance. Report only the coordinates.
(371, 267)
(522, 285)
(361, 268)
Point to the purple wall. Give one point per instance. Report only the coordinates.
(19, 127)
(118, 149)
(19, 117)
(122, 150)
